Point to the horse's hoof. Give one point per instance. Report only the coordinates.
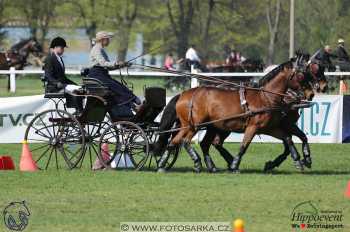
(299, 165)
(307, 163)
(212, 170)
(235, 171)
(268, 166)
(161, 170)
(197, 167)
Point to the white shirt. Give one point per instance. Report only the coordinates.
(60, 60)
(191, 54)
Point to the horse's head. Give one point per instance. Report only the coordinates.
(314, 73)
(295, 74)
(35, 47)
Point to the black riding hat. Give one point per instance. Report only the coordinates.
(58, 42)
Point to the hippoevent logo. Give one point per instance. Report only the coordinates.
(16, 119)
(16, 216)
(307, 215)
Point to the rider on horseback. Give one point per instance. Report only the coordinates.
(123, 99)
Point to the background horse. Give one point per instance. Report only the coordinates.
(248, 65)
(205, 104)
(18, 54)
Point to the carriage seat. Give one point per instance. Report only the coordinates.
(51, 90)
(155, 100)
(94, 86)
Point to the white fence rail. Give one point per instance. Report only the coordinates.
(12, 75)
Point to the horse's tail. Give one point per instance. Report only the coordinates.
(167, 121)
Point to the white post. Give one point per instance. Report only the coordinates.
(194, 81)
(291, 29)
(12, 80)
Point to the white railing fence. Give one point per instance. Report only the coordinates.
(12, 72)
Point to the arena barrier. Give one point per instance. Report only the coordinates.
(327, 121)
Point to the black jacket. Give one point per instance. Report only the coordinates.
(323, 58)
(55, 73)
(341, 53)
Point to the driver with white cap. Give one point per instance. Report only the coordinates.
(124, 100)
(341, 52)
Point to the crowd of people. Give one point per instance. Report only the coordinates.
(193, 59)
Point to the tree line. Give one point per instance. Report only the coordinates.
(258, 28)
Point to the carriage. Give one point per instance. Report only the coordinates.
(79, 130)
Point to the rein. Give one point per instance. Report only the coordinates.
(212, 79)
(243, 115)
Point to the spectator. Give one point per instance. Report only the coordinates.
(323, 58)
(234, 58)
(192, 57)
(169, 62)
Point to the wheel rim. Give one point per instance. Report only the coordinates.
(152, 162)
(55, 139)
(93, 133)
(128, 146)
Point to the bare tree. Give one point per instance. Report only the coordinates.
(122, 17)
(2, 21)
(86, 10)
(273, 12)
(211, 4)
(181, 23)
(38, 14)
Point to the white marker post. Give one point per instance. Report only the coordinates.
(12, 80)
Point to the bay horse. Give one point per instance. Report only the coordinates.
(219, 106)
(313, 79)
(18, 54)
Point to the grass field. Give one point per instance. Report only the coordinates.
(83, 200)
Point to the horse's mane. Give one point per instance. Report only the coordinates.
(273, 73)
(20, 44)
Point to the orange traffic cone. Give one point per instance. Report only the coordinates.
(27, 163)
(238, 225)
(347, 191)
(6, 163)
(343, 87)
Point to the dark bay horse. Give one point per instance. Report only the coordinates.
(314, 79)
(18, 54)
(205, 104)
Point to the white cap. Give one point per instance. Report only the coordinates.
(341, 40)
(103, 34)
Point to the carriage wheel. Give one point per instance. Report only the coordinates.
(153, 160)
(93, 133)
(55, 139)
(124, 145)
(173, 152)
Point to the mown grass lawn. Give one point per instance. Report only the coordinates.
(83, 200)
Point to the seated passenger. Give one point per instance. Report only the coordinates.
(55, 70)
(123, 100)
